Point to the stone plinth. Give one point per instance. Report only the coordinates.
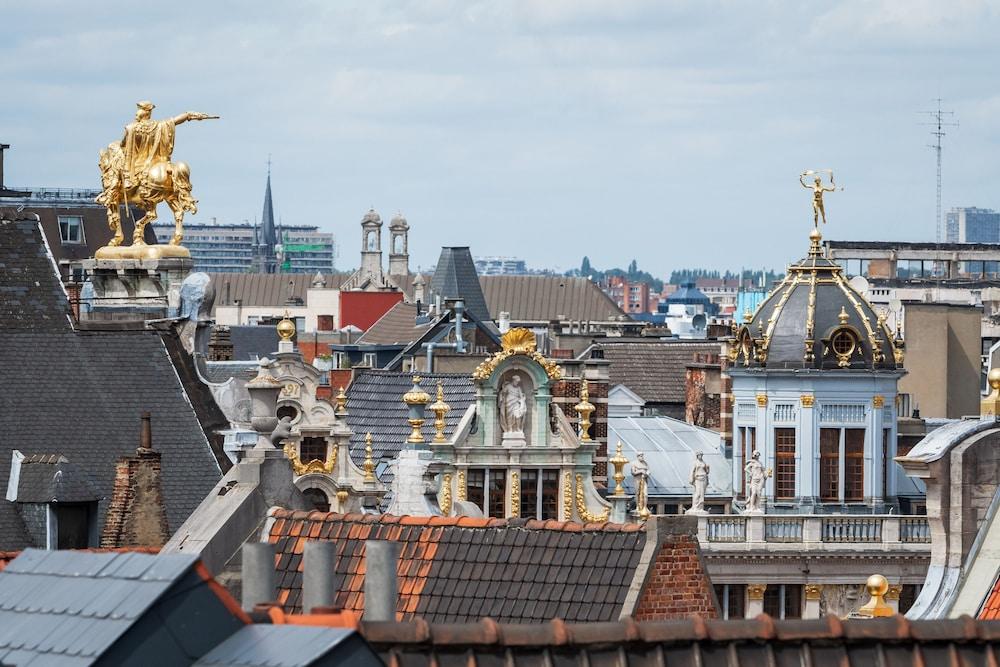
(123, 289)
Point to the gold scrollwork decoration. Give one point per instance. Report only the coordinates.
(878, 401)
(515, 495)
(568, 496)
(446, 494)
(756, 591)
(581, 505)
(460, 491)
(313, 466)
(808, 400)
(514, 342)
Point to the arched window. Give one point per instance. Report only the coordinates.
(317, 499)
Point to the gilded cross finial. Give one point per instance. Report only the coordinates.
(584, 409)
(369, 465)
(440, 409)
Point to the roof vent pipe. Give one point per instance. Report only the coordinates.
(258, 574)
(318, 563)
(381, 592)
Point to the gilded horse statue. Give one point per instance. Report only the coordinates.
(137, 170)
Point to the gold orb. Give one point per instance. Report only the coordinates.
(815, 235)
(877, 585)
(994, 378)
(286, 329)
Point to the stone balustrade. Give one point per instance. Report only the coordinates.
(727, 532)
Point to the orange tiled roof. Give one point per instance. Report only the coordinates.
(455, 569)
(991, 608)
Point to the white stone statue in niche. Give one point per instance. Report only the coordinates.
(512, 406)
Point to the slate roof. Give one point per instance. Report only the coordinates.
(455, 277)
(69, 607)
(221, 371)
(375, 404)
(48, 478)
(655, 370)
(669, 446)
(266, 289)
(31, 296)
(253, 342)
(459, 569)
(825, 642)
(544, 298)
(397, 327)
(262, 645)
(80, 394)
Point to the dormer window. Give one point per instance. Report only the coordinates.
(843, 342)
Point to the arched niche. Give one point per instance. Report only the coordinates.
(535, 386)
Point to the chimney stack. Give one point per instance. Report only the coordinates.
(259, 581)
(318, 562)
(381, 593)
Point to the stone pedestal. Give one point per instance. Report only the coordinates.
(514, 439)
(619, 508)
(755, 528)
(813, 594)
(414, 492)
(133, 289)
(755, 599)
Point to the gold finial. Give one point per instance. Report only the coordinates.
(619, 461)
(440, 409)
(815, 249)
(990, 406)
(369, 465)
(341, 409)
(877, 586)
(584, 409)
(417, 399)
(843, 316)
(747, 315)
(286, 328)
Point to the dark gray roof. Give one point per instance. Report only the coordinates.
(49, 478)
(253, 342)
(655, 370)
(687, 293)
(266, 289)
(221, 371)
(31, 296)
(70, 607)
(544, 298)
(375, 404)
(80, 394)
(263, 645)
(397, 327)
(781, 321)
(455, 277)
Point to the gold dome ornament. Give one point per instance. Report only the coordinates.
(286, 328)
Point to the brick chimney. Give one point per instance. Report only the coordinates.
(136, 516)
(220, 345)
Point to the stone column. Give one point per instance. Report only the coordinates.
(755, 599)
(813, 594)
(892, 596)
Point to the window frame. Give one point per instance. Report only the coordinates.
(784, 463)
(68, 219)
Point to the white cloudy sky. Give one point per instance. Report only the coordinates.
(668, 132)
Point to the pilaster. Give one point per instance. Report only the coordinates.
(755, 600)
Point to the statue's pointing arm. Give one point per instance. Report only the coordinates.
(191, 115)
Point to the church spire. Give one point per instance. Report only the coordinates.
(267, 218)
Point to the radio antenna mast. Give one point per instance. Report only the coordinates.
(938, 121)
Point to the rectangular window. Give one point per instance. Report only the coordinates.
(854, 464)
(475, 487)
(731, 600)
(529, 494)
(71, 229)
(829, 464)
(312, 449)
(73, 525)
(886, 460)
(748, 445)
(783, 600)
(498, 492)
(550, 494)
(784, 451)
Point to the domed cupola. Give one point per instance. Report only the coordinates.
(815, 319)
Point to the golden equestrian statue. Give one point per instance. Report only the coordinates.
(818, 189)
(137, 170)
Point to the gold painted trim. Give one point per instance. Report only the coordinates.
(460, 492)
(807, 400)
(813, 591)
(761, 400)
(893, 592)
(514, 342)
(515, 495)
(445, 503)
(567, 496)
(581, 505)
(756, 591)
(878, 401)
(313, 466)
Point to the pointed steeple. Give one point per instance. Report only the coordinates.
(268, 234)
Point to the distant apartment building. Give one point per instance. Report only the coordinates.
(500, 266)
(973, 225)
(232, 248)
(632, 297)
